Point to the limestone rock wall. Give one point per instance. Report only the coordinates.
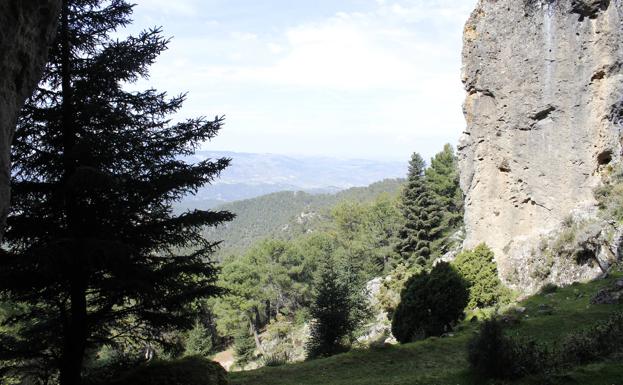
(544, 111)
(26, 29)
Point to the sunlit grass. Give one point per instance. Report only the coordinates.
(440, 361)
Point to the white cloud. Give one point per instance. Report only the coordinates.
(179, 7)
(389, 77)
(244, 36)
(350, 51)
(275, 48)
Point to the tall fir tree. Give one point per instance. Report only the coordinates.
(443, 180)
(421, 214)
(95, 253)
(332, 320)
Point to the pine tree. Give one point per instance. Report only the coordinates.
(96, 255)
(443, 180)
(198, 341)
(421, 214)
(330, 311)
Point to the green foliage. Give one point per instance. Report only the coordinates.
(610, 196)
(186, 371)
(493, 355)
(479, 269)
(422, 215)
(445, 360)
(548, 288)
(330, 311)
(564, 243)
(244, 347)
(285, 341)
(276, 359)
(360, 237)
(288, 215)
(389, 292)
(432, 207)
(275, 278)
(430, 304)
(198, 341)
(368, 232)
(95, 249)
(442, 178)
(594, 343)
(108, 363)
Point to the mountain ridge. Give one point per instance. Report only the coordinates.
(251, 175)
(286, 214)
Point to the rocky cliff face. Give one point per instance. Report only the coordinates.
(26, 28)
(544, 111)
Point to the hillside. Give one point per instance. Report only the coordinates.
(253, 175)
(286, 214)
(442, 361)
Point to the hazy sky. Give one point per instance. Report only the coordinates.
(373, 79)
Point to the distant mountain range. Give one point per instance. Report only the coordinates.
(253, 175)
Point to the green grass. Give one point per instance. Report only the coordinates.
(441, 361)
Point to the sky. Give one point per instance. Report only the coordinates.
(369, 79)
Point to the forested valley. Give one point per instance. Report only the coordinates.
(110, 275)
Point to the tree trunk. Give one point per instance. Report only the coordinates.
(75, 332)
(258, 318)
(268, 310)
(27, 28)
(256, 337)
(74, 337)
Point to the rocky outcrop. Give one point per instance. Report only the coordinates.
(544, 109)
(378, 330)
(26, 29)
(610, 295)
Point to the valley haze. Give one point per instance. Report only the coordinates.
(251, 175)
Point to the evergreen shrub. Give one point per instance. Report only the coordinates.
(192, 370)
(493, 355)
(479, 269)
(430, 304)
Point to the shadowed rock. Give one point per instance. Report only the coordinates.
(589, 8)
(26, 30)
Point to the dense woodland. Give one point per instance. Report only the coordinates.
(104, 281)
(286, 215)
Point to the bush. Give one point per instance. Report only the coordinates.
(610, 196)
(493, 355)
(487, 351)
(599, 341)
(186, 371)
(430, 304)
(276, 359)
(108, 363)
(389, 293)
(479, 269)
(548, 288)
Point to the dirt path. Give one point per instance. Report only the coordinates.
(225, 358)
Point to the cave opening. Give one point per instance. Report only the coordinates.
(604, 158)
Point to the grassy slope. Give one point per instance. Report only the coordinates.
(441, 361)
